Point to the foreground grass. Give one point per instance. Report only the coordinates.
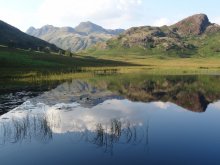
(23, 64)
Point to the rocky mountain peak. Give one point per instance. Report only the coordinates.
(89, 27)
(31, 30)
(67, 29)
(193, 25)
(48, 27)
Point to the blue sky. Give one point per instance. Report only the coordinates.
(107, 13)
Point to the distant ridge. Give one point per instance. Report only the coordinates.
(83, 36)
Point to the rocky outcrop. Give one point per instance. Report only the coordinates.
(147, 37)
(173, 39)
(193, 25)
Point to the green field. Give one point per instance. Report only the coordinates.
(21, 64)
(162, 64)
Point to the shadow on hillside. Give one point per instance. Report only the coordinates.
(23, 59)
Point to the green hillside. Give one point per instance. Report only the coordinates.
(14, 38)
(193, 36)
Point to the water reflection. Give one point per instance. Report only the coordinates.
(107, 137)
(13, 94)
(24, 129)
(112, 127)
(41, 123)
(194, 93)
(135, 121)
(81, 106)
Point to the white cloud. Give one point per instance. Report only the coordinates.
(109, 13)
(215, 105)
(161, 22)
(16, 18)
(162, 105)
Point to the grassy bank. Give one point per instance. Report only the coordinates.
(25, 64)
(161, 64)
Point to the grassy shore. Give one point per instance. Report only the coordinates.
(168, 65)
(37, 66)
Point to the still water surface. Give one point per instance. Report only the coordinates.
(80, 122)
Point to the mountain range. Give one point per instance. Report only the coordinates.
(13, 37)
(83, 36)
(194, 35)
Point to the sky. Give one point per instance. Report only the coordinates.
(110, 14)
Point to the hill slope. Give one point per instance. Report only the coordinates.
(85, 35)
(194, 25)
(13, 37)
(184, 39)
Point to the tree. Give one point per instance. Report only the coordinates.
(60, 52)
(68, 53)
(11, 44)
(39, 48)
(47, 50)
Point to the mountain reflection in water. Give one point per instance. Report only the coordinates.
(194, 93)
(142, 120)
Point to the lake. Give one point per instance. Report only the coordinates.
(119, 119)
